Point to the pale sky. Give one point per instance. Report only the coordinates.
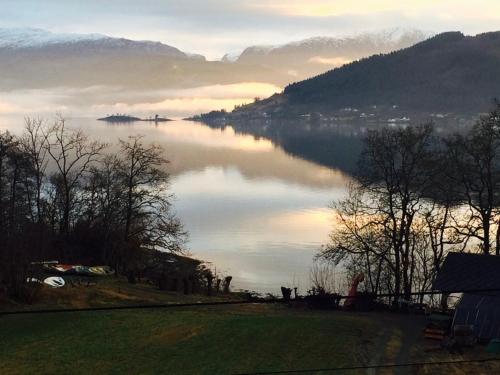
(214, 27)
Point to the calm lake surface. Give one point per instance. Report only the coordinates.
(252, 210)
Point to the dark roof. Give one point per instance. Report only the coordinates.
(468, 272)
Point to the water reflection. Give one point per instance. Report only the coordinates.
(333, 145)
(251, 208)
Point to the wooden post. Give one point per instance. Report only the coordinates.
(227, 282)
(210, 279)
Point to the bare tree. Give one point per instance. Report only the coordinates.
(323, 277)
(6, 144)
(15, 235)
(33, 144)
(475, 172)
(57, 187)
(441, 231)
(359, 238)
(141, 169)
(388, 227)
(148, 218)
(73, 154)
(395, 170)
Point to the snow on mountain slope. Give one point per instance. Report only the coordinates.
(32, 38)
(361, 44)
(61, 44)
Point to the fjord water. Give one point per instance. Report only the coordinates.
(252, 210)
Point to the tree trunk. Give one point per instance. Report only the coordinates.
(486, 229)
(497, 244)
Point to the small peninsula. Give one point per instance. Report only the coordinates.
(120, 118)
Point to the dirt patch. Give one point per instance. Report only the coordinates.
(173, 335)
(67, 296)
(393, 345)
(118, 295)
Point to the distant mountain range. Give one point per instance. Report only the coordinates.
(36, 38)
(309, 57)
(449, 72)
(34, 58)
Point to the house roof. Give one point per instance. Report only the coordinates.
(468, 272)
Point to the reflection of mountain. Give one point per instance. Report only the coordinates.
(336, 147)
(194, 147)
(255, 157)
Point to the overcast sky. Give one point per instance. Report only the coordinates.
(214, 27)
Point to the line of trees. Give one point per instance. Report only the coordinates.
(64, 197)
(416, 197)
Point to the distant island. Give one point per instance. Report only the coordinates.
(119, 118)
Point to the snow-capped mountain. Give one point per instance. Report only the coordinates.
(350, 47)
(36, 38)
(230, 57)
(42, 41)
(309, 57)
(34, 58)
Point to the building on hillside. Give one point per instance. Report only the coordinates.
(478, 276)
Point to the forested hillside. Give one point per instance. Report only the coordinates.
(447, 73)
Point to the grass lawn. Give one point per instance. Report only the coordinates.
(208, 340)
(221, 340)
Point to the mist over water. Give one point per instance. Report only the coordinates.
(100, 99)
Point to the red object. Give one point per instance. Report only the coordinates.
(353, 290)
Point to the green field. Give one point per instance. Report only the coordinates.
(221, 340)
(227, 339)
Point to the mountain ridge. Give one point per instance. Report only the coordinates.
(18, 40)
(34, 37)
(387, 38)
(449, 72)
(36, 59)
